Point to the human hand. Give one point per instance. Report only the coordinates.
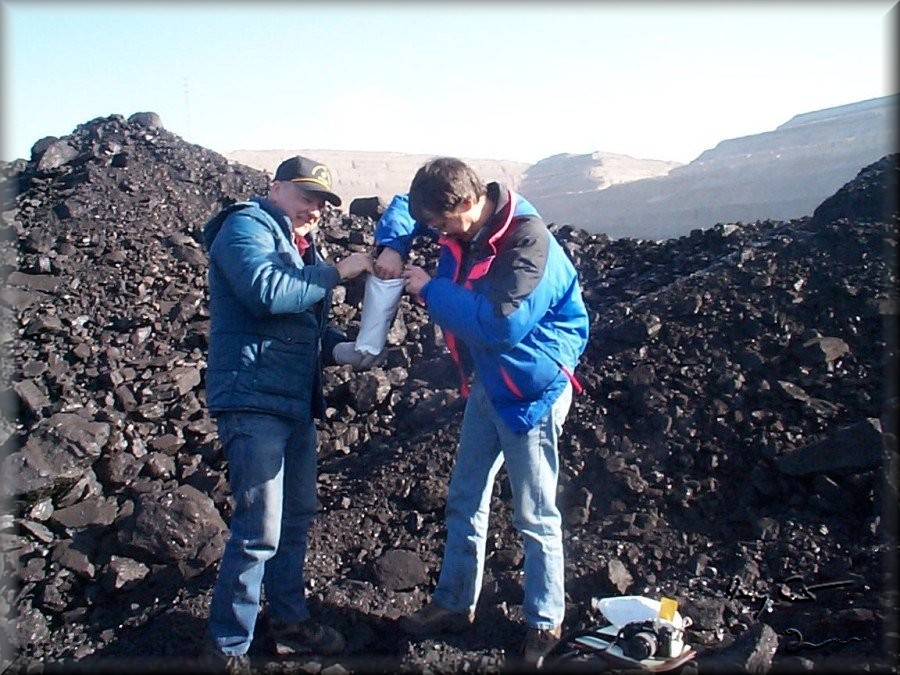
(354, 265)
(414, 279)
(389, 264)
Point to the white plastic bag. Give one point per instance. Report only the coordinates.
(380, 303)
(624, 609)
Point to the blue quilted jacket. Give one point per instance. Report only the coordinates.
(268, 314)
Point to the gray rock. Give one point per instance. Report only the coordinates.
(179, 526)
(55, 155)
(752, 652)
(146, 119)
(856, 447)
(367, 207)
(399, 570)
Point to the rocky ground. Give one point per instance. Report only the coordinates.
(734, 448)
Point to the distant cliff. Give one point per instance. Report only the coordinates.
(777, 175)
(560, 176)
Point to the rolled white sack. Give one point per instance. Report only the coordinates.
(380, 303)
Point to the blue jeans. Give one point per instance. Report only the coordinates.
(532, 465)
(272, 473)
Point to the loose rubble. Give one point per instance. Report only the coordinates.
(735, 446)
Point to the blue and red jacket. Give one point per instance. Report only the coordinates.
(510, 307)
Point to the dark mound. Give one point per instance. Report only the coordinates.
(735, 445)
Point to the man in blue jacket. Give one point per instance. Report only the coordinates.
(508, 301)
(270, 296)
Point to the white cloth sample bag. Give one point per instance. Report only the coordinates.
(380, 303)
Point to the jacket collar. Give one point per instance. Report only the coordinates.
(277, 214)
(499, 221)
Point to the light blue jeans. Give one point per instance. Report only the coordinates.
(532, 465)
(272, 473)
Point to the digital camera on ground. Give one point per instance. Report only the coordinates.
(641, 640)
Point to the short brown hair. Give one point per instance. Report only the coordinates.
(441, 185)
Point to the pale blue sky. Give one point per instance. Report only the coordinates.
(498, 80)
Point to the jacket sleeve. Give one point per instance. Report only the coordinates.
(396, 229)
(518, 299)
(263, 278)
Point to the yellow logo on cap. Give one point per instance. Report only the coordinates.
(322, 174)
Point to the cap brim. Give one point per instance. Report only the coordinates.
(329, 196)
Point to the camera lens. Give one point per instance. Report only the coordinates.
(640, 646)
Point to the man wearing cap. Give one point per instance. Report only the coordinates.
(270, 296)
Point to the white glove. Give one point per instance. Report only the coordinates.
(346, 353)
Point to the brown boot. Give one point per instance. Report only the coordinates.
(305, 637)
(539, 641)
(433, 619)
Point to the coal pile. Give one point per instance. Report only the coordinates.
(734, 448)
